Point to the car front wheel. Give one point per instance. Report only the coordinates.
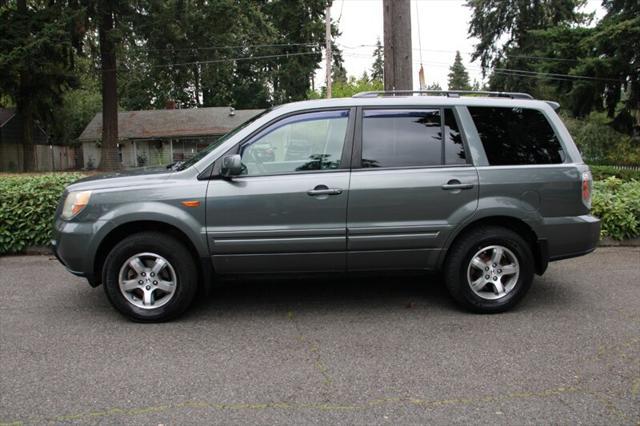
(150, 277)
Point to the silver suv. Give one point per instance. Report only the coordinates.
(485, 187)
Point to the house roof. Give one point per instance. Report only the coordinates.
(6, 114)
(168, 123)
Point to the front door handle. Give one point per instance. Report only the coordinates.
(454, 184)
(324, 190)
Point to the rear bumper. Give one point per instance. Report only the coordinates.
(571, 236)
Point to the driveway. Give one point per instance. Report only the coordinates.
(384, 350)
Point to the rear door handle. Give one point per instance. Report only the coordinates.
(454, 184)
(324, 190)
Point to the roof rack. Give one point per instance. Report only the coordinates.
(448, 93)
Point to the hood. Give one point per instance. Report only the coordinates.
(124, 178)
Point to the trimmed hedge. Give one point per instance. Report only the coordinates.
(27, 207)
(28, 203)
(617, 204)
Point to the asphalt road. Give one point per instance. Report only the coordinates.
(384, 350)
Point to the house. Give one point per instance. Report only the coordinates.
(47, 156)
(155, 137)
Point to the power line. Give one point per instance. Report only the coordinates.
(523, 73)
(419, 33)
(544, 58)
(239, 46)
(552, 74)
(467, 53)
(212, 61)
(340, 16)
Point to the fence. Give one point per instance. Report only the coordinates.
(47, 157)
(634, 167)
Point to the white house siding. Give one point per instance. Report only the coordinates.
(90, 155)
(153, 153)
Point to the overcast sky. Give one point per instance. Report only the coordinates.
(443, 30)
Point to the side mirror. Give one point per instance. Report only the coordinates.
(231, 166)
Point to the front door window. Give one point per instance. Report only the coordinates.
(301, 143)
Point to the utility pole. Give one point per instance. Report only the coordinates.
(398, 63)
(327, 36)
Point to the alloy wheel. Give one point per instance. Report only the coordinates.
(493, 272)
(147, 280)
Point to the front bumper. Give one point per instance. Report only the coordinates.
(73, 244)
(571, 236)
(88, 275)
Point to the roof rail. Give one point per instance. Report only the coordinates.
(448, 93)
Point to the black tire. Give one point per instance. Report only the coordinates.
(461, 254)
(178, 257)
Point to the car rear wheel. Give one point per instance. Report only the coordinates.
(489, 269)
(150, 277)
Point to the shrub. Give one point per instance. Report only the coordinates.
(27, 206)
(617, 204)
(599, 143)
(603, 172)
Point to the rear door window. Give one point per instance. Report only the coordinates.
(516, 136)
(401, 138)
(411, 138)
(454, 152)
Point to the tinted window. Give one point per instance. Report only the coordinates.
(453, 147)
(311, 141)
(213, 145)
(401, 138)
(516, 136)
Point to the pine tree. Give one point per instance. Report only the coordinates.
(36, 63)
(458, 75)
(506, 31)
(338, 71)
(377, 69)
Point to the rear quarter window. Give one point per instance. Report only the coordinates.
(516, 136)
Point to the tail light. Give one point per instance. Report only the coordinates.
(586, 184)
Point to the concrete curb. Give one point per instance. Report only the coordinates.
(38, 250)
(610, 242)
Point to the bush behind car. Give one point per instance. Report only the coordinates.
(28, 204)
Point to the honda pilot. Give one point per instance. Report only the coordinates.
(485, 187)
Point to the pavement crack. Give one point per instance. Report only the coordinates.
(314, 350)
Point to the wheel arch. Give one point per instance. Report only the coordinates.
(123, 230)
(538, 246)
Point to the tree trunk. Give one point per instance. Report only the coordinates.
(636, 129)
(196, 80)
(25, 109)
(110, 159)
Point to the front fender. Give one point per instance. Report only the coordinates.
(190, 221)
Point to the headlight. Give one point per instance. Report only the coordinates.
(76, 202)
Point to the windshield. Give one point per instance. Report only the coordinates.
(213, 145)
